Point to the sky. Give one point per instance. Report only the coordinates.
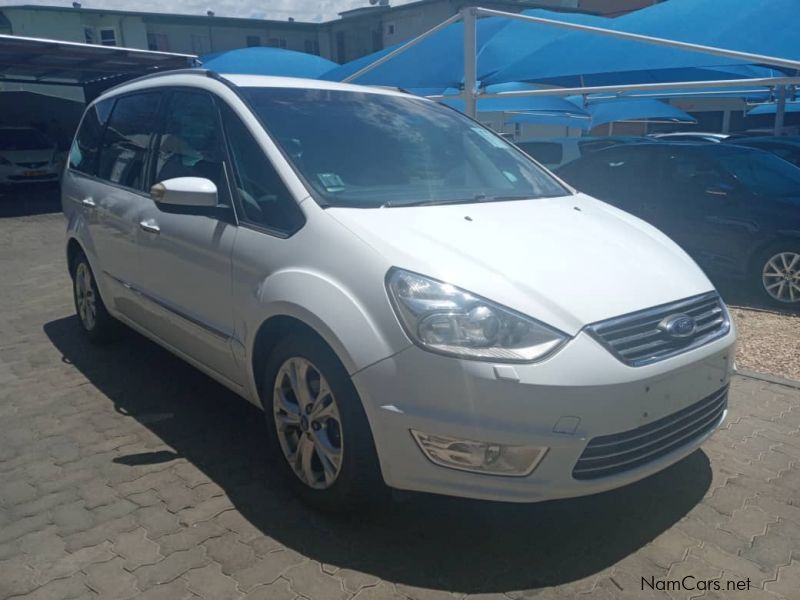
(302, 10)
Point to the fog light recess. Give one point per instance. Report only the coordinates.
(479, 457)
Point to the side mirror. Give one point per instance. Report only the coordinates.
(185, 191)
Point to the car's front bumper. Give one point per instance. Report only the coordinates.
(582, 386)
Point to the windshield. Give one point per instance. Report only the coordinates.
(23, 139)
(764, 174)
(369, 150)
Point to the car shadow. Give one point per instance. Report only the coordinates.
(413, 539)
(29, 199)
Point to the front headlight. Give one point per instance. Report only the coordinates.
(448, 320)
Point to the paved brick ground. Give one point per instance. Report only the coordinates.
(126, 473)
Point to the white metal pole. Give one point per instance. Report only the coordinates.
(409, 44)
(635, 87)
(469, 17)
(780, 110)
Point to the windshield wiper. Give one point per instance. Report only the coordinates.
(399, 203)
(475, 198)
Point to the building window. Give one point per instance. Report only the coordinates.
(312, 47)
(199, 44)
(277, 43)
(158, 42)
(253, 40)
(89, 35)
(108, 37)
(390, 29)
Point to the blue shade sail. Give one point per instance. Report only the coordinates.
(767, 27)
(268, 61)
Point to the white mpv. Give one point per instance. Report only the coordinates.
(411, 299)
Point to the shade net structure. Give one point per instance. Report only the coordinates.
(509, 51)
(767, 27)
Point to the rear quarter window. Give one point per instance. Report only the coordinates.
(126, 139)
(86, 145)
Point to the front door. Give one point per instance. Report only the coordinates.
(702, 207)
(185, 255)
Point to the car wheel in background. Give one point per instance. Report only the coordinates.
(777, 273)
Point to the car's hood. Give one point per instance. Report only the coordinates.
(567, 261)
(22, 156)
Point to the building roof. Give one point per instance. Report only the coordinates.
(161, 17)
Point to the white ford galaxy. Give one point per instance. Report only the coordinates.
(411, 299)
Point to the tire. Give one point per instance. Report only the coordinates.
(305, 447)
(97, 324)
(776, 274)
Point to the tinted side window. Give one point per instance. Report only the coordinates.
(264, 200)
(127, 139)
(191, 144)
(86, 145)
(547, 153)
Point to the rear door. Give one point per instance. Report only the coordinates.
(108, 184)
(185, 253)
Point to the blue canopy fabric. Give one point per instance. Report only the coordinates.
(772, 108)
(437, 61)
(635, 109)
(563, 120)
(767, 27)
(608, 111)
(268, 61)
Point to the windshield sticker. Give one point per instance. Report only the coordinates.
(331, 182)
(493, 140)
(510, 176)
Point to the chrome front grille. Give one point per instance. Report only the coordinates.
(640, 338)
(33, 165)
(612, 454)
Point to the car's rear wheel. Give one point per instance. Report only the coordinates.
(98, 325)
(318, 427)
(778, 270)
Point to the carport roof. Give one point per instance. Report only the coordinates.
(33, 60)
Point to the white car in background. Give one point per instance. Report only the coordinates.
(410, 298)
(27, 156)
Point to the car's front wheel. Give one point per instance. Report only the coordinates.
(95, 320)
(779, 275)
(318, 426)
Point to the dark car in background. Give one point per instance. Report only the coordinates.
(554, 152)
(735, 209)
(788, 148)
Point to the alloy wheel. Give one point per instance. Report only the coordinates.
(85, 297)
(781, 277)
(308, 423)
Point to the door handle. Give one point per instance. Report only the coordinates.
(150, 226)
(88, 202)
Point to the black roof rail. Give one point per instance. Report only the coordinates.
(188, 71)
